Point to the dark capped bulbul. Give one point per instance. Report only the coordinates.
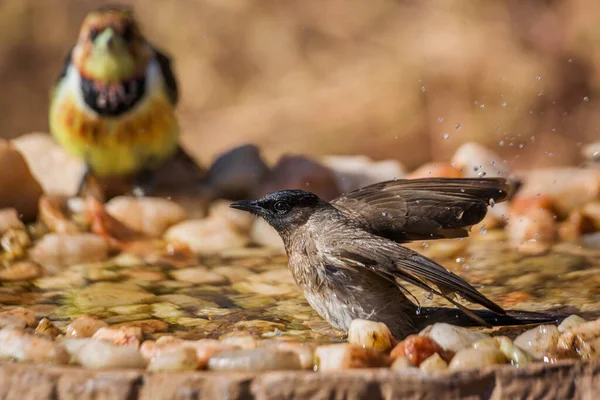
(346, 255)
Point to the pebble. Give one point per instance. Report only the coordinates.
(14, 343)
(477, 161)
(9, 219)
(151, 216)
(568, 188)
(417, 348)
(53, 212)
(304, 351)
(19, 317)
(235, 174)
(435, 170)
(207, 236)
(101, 354)
(537, 226)
(402, 363)
(466, 359)
(204, 349)
(147, 326)
(84, 327)
(242, 340)
(354, 172)
(18, 187)
(579, 333)
(21, 271)
(125, 335)
(433, 364)
(299, 172)
(47, 328)
(255, 360)
(265, 235)
(570, 322)
(238, 220)
(60, 250)
(176, 359)
(592, 152)
(233, 274)
(335, 357)
(450, 337)
(199, 275)
(370, 335)
(58, 172)
(539, 340)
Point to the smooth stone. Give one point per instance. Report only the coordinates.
(58, 172)
(18, 187)
(477, 161)
(14, 343)
(265, 235)
(255, 360)
(177, 359)
(84, 327)
(335, 357)
(570, 322)
(451, 337)
(467, 359)
(151, 216)
(433, 364)
(19, 317)
(207, 236)
(370, 335)
(100, 354)
(59, 250)
(354, 172)
(240, 221)
(21, 271)
(9, 219)
(300, 172)
(235, 174)
(539, 340)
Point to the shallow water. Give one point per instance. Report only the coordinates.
(251, 289)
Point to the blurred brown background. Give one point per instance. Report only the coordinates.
(409, 80)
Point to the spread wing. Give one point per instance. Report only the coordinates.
(418, 209)
(396, 263)
(167, 71)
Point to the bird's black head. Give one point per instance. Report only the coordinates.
(284, 210)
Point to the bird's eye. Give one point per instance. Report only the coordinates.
(93, 33)
(281, 207)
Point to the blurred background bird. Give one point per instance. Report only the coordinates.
(114, 102)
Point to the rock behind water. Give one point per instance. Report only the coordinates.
(299, 172)
(58, 172)
(18, 187)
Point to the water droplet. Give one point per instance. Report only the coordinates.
(570, 61)
(418, 312)
(458, 126)
(503, 104)
(521, 145)
(445, 136)
(460, 215)
(462, 190)
(466, 267)
(483, 230)
(385, 214)
(440, 120)
(481, 107)
(481, 174)
(396, 137)
(460, 260)
(541, 93)
(586, 99)
(423, 89)
(425, 245)
(492, 203)
(501, 143)
(538, 77)
(429, 296)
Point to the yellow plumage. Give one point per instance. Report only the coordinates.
(143, 138)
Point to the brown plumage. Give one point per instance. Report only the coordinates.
(347, 258)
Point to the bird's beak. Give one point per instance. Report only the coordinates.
(250, 206)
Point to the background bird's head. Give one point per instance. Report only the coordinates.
(283, 210)
(110, 46)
